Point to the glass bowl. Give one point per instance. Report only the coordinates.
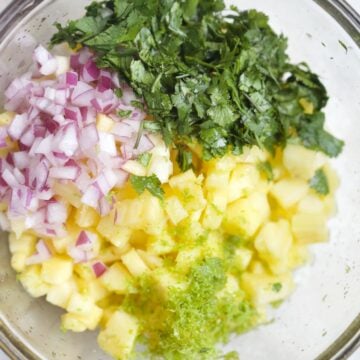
(321, 320)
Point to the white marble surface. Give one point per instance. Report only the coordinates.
(354, 3)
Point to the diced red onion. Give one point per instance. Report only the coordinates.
(56, 213)
(42, 254)
(99, 268)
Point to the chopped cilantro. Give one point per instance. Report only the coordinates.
(119, 93)
(319, 182)
(150, 183)
(224, 80)
(266, 169)
(124, 113)
(144, 159)
(276, 287)
(184, 158)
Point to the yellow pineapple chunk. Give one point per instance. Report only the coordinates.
(118, 235)
(244, 179)
(153, 218)
(183, 179)
(32, 281)
(151, 260)
(217, 180)
(56, 270)
(118, 337)
(242, 258)
(85, 310)
(186, 258)
(265, 289)
(86, 216)
(18, 261)
(59, 295)
(302, 162)
(116, 279)
(311, 204)
(273, 244)
(6, 118)
(288, 192)
(175, 210)
(309, 228)
(104, 123)
(72, 322)
(245, 216)
(134, 263)
(161, 244)
(25, 243)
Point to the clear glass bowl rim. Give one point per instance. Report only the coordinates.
(349, 19)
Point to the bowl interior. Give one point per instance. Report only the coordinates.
(327, 298)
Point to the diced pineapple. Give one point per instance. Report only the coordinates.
(86, 216)
(217, 180)
(302, 162)
(95, 290)
(118, 337)
(245, 216)
(174, 210)
(134, 167)
(298, 255)
(104, 123)
(309, 228)
(56, 270)
(84, 271)
(161, 166)
(311, 204)
(72, 322)
(242, 258)
(118, 235)
(17, 227)
(59, 295)
(265, 289)
(330, 208)
(244, 178)
(68, 192)
(225, 163)
(231, 287)
(24, 244)
(273, 244)
(218, 198)
(182, 180)
(165, 280)
(134, 263)
(18, 261)
(6, 118)
(153, 216)
(109, 254)
(63, 64)
(161, 244)
(130, 213)
(32, 281)
(252, 155)
(151, 260)
(288, 192)
(213, 246)
(116, 279)
(212, 217)
(187, 257)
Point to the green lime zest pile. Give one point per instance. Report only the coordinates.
(223, 80)
(189, 322)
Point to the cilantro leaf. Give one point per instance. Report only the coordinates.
(265, 168)
(319, 182)
(150, 183)
(184, 159)
(276, 287)
(224, 80)
(144, 159)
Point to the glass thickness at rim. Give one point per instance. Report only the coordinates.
(347, 17)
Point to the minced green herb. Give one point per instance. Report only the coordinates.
(276, 287)
(223, 80)
(150, 183)
(319, 182)
(144, 159)
(266, 169)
